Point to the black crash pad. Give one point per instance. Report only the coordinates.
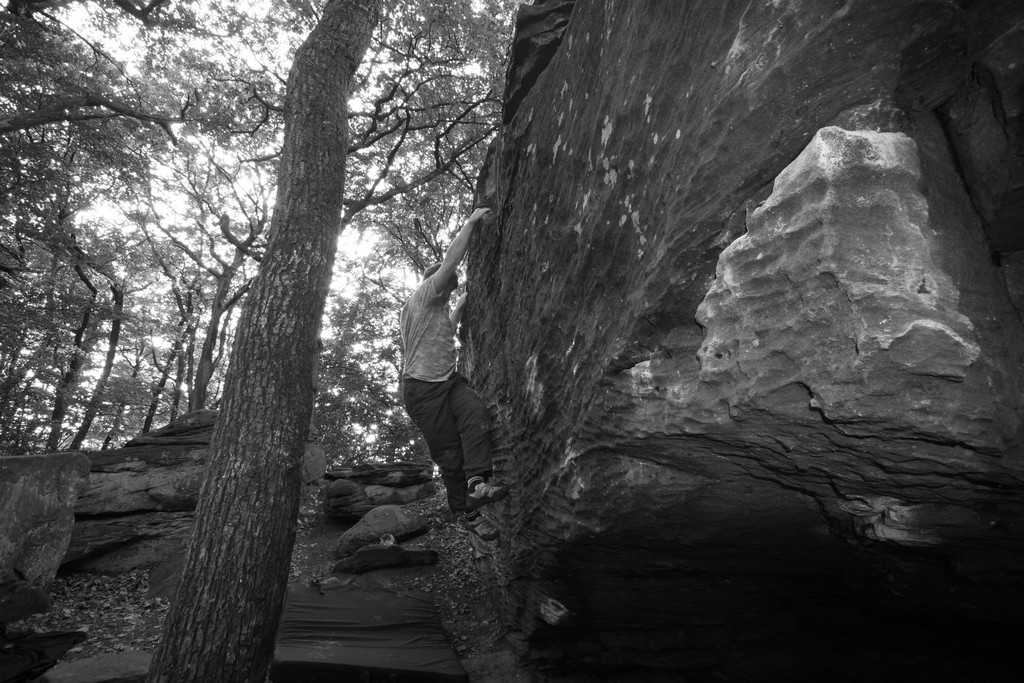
(345, 632)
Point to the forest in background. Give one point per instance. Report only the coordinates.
(139, 144)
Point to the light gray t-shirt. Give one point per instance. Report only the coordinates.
(428, 336)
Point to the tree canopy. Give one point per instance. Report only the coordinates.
(139, 151)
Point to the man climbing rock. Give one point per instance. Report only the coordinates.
(453, 419)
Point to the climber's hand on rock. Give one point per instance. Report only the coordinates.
(478, 214)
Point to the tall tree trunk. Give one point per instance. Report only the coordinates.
(179, 385)
(158, 390)
(184, 371)
(17, 370)
(118, 422)
(71, 376)
(222, 624)
(218, 307)
(108, 365)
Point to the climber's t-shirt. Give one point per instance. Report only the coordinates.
(428, 336)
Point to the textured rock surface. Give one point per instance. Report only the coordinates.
(380, 556)
(36, 498)
(386, 520)
(122, 667)
(346, 499)
(388, 474)
(113, 545)
(150, 477)
(138, 507)
(749, 316)
(352, 492)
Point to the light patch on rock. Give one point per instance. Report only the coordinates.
(553, 612)
(534, 388)
(641, 379)
(838, 254)
(606, 132)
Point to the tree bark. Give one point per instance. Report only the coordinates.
(165, 373)
(117, 292)
(218, 307)
(222, 624)
(118, 422)
(71, 376)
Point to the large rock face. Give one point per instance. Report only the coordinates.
(37, 496)
(138, 508)
(749, 314)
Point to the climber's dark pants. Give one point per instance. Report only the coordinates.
(457, 428)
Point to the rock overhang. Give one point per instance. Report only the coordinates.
(861, 370)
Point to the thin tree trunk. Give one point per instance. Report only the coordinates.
(158, 390)
(218, 307)
(70, 377)
(224, 617)
(17, 371)
(108, 365)
(118, 422)
(186, 371)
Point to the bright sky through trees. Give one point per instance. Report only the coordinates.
(138, 158)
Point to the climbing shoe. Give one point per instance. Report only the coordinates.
(481, 493)
(480, 527)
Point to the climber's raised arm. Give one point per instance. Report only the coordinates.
(457, 250)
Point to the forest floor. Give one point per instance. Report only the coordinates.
(119, 615)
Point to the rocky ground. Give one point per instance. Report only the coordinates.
(118, 614)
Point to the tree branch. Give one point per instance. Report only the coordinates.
(64, 110)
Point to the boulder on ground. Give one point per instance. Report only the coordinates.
(137, 510)
(314, 463)
(387, 474)
(351, 492)
(114, 545)
(153, 477)
(347, 499)
(380, 521)
(36, 504)
(191, 429)
(131, 666)
(379, 556)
